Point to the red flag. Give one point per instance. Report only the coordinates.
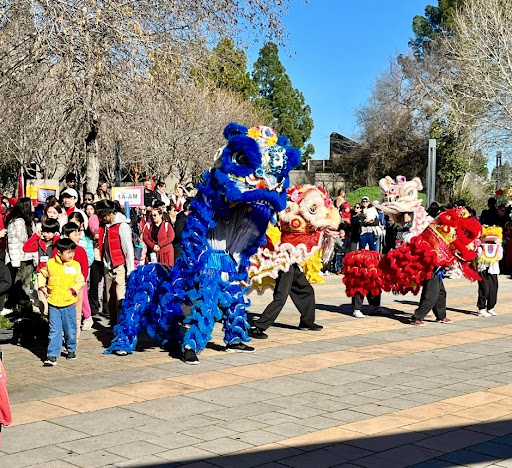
(21, 185)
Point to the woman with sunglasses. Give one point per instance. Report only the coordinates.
(158, 236)
(356, 223)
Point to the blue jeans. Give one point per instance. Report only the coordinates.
(62, 319)
(367, 238)
(338, 262)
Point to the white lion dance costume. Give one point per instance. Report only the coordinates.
(309, 212)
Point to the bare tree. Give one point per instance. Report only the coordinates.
(93, 50)
(174, 132)
(467, 75)
(394, 133)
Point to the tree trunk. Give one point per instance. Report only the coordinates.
(92, 158)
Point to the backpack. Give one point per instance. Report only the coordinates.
(137, 246)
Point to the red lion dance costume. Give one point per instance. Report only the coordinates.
(309, 214)
(448, 239)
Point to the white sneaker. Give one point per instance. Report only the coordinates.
(88, 323)
(358, 314)
(483, 313)
(491, 312)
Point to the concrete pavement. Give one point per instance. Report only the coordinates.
(372, 392)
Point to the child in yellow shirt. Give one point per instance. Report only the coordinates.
(60, 281)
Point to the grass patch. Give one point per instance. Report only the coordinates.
(373, 193)
(5, 322)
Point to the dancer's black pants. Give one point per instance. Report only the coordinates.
(357, 301)
(292, 283)
(95, 276)
(487, 290)
(433, 297)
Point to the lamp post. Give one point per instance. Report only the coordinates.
(431, 171)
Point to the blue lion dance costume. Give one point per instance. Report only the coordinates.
(237, 199)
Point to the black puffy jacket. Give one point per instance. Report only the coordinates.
(5, 276)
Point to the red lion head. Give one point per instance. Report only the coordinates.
(463, 232)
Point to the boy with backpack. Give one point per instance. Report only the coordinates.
(60, 281)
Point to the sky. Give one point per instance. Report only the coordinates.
(337, 48)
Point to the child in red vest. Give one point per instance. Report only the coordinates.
(116, 249)
(43, 243)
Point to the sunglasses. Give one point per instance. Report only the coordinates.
(87, 199)
(154, 215)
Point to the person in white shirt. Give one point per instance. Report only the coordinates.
(69, 199)
(161, 195)
(489, 254)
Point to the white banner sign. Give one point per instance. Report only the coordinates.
(133, 195)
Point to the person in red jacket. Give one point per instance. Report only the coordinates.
(158, 236)
(72, 231)
(43, 242)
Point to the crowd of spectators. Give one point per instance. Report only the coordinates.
(363, 226)
(110, 243)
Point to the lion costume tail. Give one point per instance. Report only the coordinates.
(140, 300)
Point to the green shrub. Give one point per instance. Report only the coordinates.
(5, 322)
(373, 193)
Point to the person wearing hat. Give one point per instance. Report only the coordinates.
(71, 184)
(370, 225)
(369, 232)
(69, 200)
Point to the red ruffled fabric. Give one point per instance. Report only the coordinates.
(405, 269)
(362, 273)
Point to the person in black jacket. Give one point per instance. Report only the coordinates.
(5, 282)
(357, 222)
(149, 194)
(178, 227)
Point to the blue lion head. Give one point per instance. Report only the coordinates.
(253, 167)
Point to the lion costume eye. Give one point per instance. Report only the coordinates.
(312, 209)
(240, 158)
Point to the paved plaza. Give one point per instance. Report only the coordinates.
(372, 392)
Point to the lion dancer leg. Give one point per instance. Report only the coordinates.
(291, 283)
(236, 326)
(200, 326)
(218, 295)
(433, 297)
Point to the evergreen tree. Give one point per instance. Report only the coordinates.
(437, 20)
(287, 106)
(227, 69)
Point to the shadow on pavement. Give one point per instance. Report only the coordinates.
(347, 309)
(452, 309)
(477, 445)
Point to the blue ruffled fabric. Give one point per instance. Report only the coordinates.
(155, 300)
(138, 308)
